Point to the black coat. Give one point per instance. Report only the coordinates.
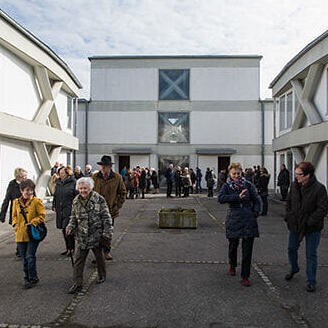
(262, 185)
(12, 193)
(242, 213)
(306, 207)
(142, 180)
(283, 178)
(154, 179)
(64, 194)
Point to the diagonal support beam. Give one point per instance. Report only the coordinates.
(314, 152)
(49, 95)
(298, 154)
(306, 107)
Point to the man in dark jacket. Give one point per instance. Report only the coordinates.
(198, 180)
(307, 205)
(169, 175)
(283, 181)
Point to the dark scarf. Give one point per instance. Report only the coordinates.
(239, 186)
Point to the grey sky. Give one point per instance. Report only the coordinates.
(76, 29)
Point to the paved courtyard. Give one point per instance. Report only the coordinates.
(166, 278)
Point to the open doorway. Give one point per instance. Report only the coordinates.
(123, 161)
(223, 163)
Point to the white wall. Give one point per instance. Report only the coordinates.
(61, 105)
(124, 84)
(123, 127)
(19, 94)
(225, 127)
(15, 154)
(225, 83)
(139, 160)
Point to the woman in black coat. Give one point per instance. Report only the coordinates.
(244, 207)
(143, 182)
(262, 187)
(154, 181)
(64, 194)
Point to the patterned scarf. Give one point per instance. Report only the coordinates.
(237, 186)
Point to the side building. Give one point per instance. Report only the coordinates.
(300, 94)
(187, 110)
(37, 92)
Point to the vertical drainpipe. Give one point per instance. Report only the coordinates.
(86, 132)
(274, 153)
(262, 133)
(75, 127)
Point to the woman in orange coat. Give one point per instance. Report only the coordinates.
(35, 213)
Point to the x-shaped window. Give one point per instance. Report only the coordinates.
(173, 84)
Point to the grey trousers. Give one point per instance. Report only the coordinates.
(80, 258)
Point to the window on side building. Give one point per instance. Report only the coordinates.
(174, 84)
(289, 110)
(282, 113)
(173, 127)
(69, 112)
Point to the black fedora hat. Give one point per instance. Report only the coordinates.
(106, 160)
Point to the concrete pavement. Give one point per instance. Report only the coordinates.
(166, 278)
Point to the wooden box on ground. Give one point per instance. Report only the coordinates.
(178, 218)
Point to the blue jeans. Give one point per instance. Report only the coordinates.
(27, 252)
(312, 241)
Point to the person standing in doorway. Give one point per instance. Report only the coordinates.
(241, 223)
(283, 181)
(178, 181)
(169, 175)
(210, 180)
(154, 181)
(307, 206)
(109, 184)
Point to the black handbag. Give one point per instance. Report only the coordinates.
(37, 233)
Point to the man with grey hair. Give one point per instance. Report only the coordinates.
(88, 172)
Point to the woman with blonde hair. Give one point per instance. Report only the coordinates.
(241, 223)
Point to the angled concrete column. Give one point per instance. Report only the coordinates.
(304, 95)
(314, 152)
(298, 154)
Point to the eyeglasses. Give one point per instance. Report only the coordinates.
(299, 174)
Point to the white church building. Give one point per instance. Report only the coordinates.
(37, 92)
(191, 111)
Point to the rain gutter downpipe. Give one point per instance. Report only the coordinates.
(86, 131)
(262, 133)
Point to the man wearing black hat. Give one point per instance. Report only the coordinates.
(111, 186)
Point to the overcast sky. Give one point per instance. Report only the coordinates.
(76, 29)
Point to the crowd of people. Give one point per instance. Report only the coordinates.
(87, 203)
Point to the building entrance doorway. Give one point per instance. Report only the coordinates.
(123, 161)
(223, 163)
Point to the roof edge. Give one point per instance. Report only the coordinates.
(40, 44)
(307, 48)
(174, 57)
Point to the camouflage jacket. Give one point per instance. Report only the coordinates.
(91, 222)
